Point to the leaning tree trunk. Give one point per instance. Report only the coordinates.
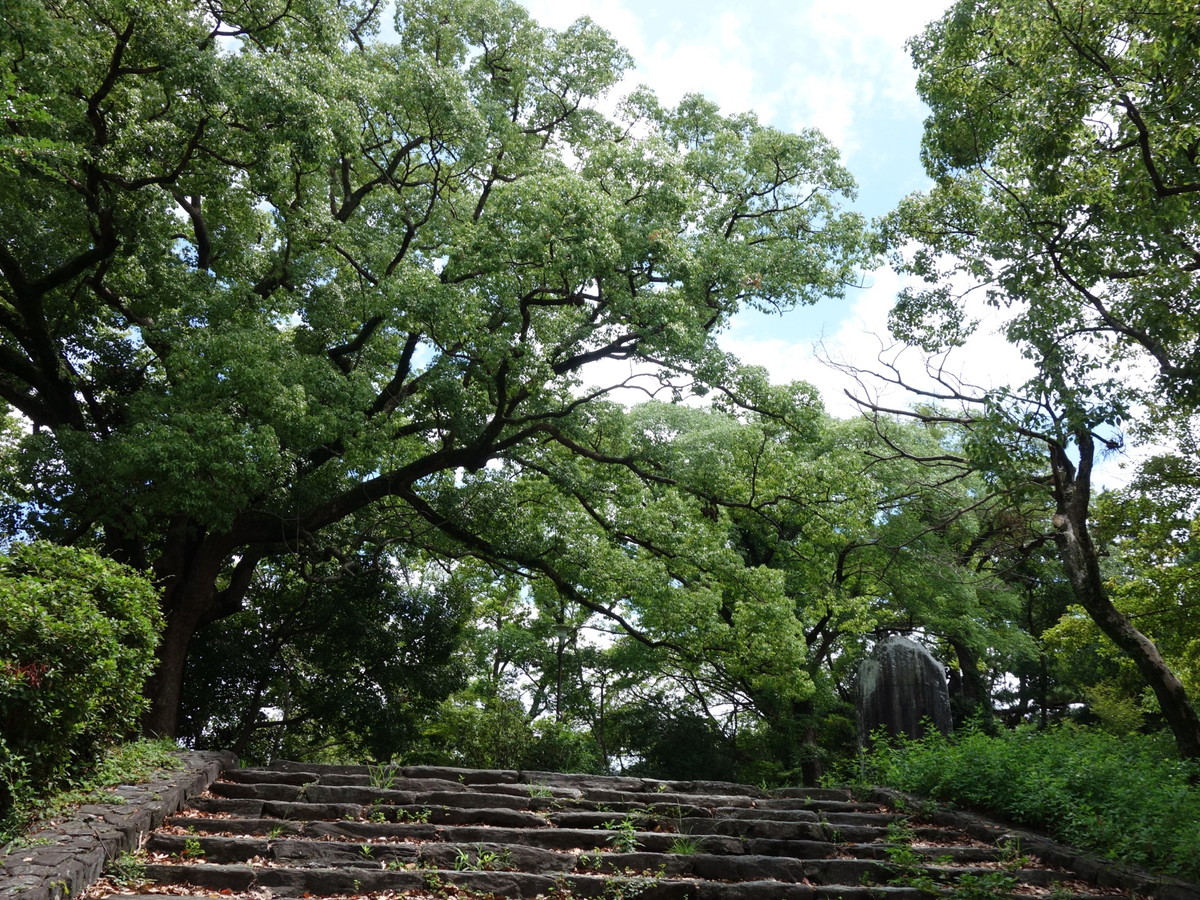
(1072, 493)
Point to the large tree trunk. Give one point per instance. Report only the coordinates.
(1072, 489)
(164, 689)
(188, 571)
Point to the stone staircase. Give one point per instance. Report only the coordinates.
(300, 830)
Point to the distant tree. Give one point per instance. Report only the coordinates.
(323, 664)
(262, 275)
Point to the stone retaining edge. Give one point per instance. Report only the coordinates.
(64, 858)
(1090, 866)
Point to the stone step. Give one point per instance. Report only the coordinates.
(338, 798)
(720, 835)
(286, 883)
(955, 854)
(825, 806)
(757, 828)
(523, 858)
(469, 777)
(802, 793)
(547, 838)
(301, 830)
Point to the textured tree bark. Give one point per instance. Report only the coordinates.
(188, 571)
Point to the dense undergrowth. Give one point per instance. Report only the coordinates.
(1127, 797)
(130, 763)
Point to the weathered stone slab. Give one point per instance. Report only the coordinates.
(808, 793)
(215, 849)
(298, 810)
(235, 826)
(463, 776)
(825, 806)
(797, 849)
(258, 791)
(675, 811)
(397, 782)
(707, 843)
(243, 809)
(534, 791)
(753, 890)
(869, 892)
(654, 863)
(546, 838)
(647, 888)
(956, 854)
(495, 856)
(714, 789)
(234, 878)
(449, 815)
(748, 868)
(756, 828)
(477, 800)
(259, 775)
(368, 831)
(339, 853)
(766, 815)
(583, 818)
(322, 793)
(879, 820)
(584, 783)
(288, 765)
(848, 871)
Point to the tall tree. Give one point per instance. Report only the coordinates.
(1064, 142)
(261, 274)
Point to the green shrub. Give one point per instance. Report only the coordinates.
(77, 635)
(1128, 797)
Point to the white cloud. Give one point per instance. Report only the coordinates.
(862, 340)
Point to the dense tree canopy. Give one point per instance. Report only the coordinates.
(262, 274)
(320, 331)
(1064, 142)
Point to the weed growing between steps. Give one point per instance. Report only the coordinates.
(912, 869)
(624, 834)
(1126, 797)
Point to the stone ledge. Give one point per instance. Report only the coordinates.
(62, 859)
(1100, 871)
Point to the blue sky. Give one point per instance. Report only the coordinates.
(836, 65)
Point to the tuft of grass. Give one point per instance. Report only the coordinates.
(131, 763)
(127, 870)
(1129, 797)
(684, 845)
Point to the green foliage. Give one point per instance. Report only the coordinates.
(127, 870)
(496, 733)
(1063, 149)
(1125, 797)
(77, 635)
(305, 289)
(984, 886)
(354, 659)
(624, 834)
(484, 859)
(127, 763)
(910, 867)
(684, 845)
